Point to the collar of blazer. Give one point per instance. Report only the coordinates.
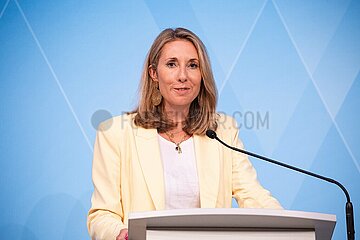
(208, 166)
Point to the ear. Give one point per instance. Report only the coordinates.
(152, 73)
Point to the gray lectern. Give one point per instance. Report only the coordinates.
(230, 223)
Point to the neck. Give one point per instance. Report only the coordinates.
(177, 115)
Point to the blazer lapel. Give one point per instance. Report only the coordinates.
(208, 164)
(147, 145)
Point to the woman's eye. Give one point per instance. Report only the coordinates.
(193, 65)
(171, 64)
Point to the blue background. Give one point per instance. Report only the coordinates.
(66, 65)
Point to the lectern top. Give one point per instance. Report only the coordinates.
(234, 218)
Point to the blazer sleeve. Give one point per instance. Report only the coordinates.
(247, 190)
(105, 217)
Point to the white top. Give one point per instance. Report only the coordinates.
(180, 174)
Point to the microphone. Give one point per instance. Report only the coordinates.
(348, 207)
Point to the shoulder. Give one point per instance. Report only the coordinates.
(226, 122)
(227, 128)
(118, 123)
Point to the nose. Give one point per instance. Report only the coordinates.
(182, 74)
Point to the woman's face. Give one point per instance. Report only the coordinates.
(178, 74)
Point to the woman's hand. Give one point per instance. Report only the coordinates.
(123, 235)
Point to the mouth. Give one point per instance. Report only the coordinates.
(182, 89)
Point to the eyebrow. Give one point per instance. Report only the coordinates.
(174, 58)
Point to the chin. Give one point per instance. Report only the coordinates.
(180, 103)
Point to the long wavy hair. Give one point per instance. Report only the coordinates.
(202, 113)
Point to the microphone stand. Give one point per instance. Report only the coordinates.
(348, 207)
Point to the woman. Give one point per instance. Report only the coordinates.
(158, 157)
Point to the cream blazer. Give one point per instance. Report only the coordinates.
(128, 175)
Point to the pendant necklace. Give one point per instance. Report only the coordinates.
(171, 138)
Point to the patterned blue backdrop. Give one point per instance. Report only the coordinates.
(287, 70)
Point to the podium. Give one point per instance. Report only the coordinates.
(230, 223)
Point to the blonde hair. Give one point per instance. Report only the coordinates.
(202, 115)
